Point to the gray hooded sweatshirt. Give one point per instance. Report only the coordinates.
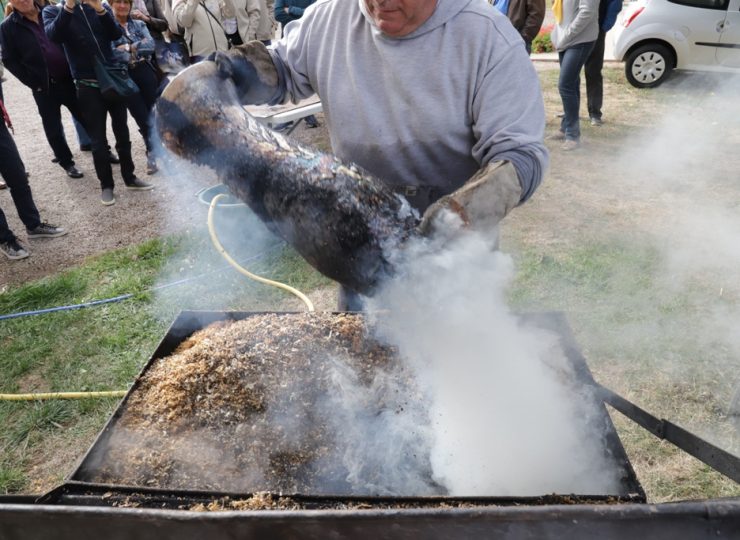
(427, 109)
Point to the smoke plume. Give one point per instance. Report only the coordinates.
(508, 416)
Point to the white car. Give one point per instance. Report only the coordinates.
(653, 37)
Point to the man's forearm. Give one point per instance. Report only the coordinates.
(530, 164)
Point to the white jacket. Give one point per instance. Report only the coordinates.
(255, 19)
(204, 32)
(248, 15)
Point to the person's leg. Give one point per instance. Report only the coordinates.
(594, 80)
(140, 105)
(119, 122)
(82, 137)
(95, 115)
(571, 63)
(146, 79)
(49, 107)
(13, 173)
(140, 114)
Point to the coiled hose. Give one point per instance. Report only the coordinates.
(232, 262)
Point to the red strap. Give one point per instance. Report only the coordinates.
(6, 116)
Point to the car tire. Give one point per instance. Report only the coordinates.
(648, 66)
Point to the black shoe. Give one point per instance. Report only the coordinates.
(137, 184)
(86, 148)
(112, 157)
(311, 122)
(282, 127)
(151, 165)
(46, 230)
(73, 172)
(13, 250)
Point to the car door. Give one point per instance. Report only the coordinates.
(728, 51)
(695, 24)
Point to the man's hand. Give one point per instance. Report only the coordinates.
(481, 202)
(252, 70)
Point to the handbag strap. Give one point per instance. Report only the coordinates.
(212, 16)
(213, 34)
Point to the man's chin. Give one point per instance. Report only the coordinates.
(392, 28)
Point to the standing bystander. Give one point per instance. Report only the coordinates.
(86, 31)
(575, 32)
(525, 15)
(13, 173)
(203, 25)
(135, 48)
(40, 64)
(608, 11)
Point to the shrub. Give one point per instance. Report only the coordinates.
(542, 43)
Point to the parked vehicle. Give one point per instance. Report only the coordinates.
(654, 37)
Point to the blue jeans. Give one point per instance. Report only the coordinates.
(82, 137)
(572, 61)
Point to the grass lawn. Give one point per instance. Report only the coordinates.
(605, 240)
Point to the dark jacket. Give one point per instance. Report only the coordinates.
(608, 11)
(527, 16)
(295, 10)
(22, 53)
(71, 30)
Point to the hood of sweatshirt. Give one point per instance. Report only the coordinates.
(443, 12)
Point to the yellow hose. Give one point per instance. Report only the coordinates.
(61, 395)
(232, 262)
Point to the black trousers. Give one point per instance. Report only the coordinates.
(95, 114)
(14, 173)
(49, 105)
(140, 105)
(594, 79)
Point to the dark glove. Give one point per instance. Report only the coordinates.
(252, 70)
(480, 203)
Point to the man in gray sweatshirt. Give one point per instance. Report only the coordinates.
(438, 98)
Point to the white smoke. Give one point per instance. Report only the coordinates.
(679, 180)
(507, 414)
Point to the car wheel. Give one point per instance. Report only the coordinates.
(648, 66)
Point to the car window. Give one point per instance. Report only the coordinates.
(706, 4)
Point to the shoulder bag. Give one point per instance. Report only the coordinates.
(113, 79)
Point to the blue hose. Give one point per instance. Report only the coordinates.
(127, 296)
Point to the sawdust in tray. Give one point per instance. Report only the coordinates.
(240, 406)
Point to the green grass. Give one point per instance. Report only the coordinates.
(104, 347)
